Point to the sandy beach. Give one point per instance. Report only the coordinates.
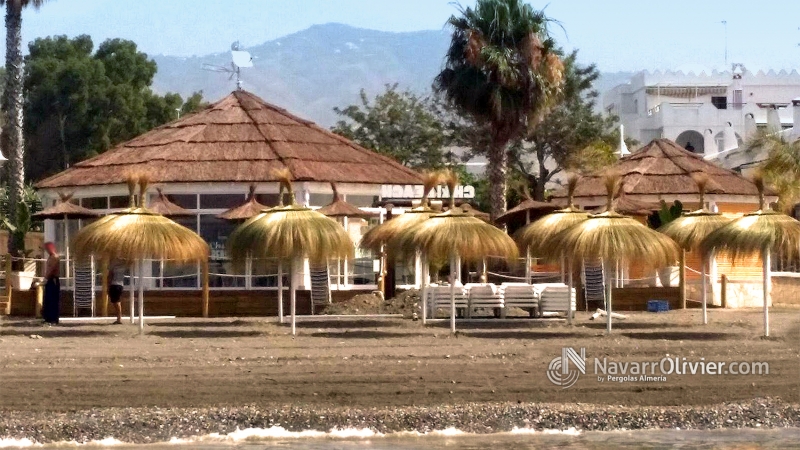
(192, 376)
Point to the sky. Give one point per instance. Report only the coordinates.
(615, 34)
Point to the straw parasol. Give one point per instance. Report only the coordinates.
(612, 237)
(524, 209)
(248, 210)
(375, 238)
(136, 234)
(690, 229)
(340, 208)
(290, 233)
(162, 205)
(535, 235)
(455, 235)
(761, 232)
(65, 210)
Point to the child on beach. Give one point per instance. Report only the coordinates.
(116, 274)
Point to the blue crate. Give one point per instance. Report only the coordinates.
(657, 306)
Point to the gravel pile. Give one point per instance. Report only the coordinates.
(406, 303)
(160, 425)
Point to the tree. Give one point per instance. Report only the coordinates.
(572, 136)
(12, 141)
(399, 124)
(501, 69)
(781, 168)
(81, 103)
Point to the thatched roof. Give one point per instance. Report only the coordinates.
(247, 210)
(162, 205)
(629, 207)
(340, 208)
(662, 167)
(525, 206)
(241, 138)
(66, 209)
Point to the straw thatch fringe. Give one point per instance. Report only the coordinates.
(689, 230)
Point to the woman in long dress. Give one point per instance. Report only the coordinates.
(52, 288)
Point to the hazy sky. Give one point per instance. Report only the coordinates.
(616, 34)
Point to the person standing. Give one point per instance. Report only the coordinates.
(52, 289)
(116, 275)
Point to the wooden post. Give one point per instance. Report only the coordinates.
(389, 280)
(205, 289)
(724, 291)
(39, 301)
(102, 307)
(8, 283)
(682, 279)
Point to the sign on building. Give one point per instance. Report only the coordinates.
(411, 191)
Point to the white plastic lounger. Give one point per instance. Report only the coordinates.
(484, 296)
(556, 297)
(439, 298)
(520, 295)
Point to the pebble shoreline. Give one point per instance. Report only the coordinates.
(154, 425)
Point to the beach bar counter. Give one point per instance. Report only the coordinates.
(205, 164)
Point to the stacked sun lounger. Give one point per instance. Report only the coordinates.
(536, 299)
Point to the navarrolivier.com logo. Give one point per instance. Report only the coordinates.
(565, 370)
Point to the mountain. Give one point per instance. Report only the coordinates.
(314, 70)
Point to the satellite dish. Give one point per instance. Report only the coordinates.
(239, 59)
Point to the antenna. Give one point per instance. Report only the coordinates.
(725, 24)
(239, 59)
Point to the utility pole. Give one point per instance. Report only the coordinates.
(725, 25)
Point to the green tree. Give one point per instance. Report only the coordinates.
(12, 141)
(501, 69)
(572, 136)
(781, 168)
(80, 102)
(399, 124)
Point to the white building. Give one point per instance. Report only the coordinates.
(709, 113)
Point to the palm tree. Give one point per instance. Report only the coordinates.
(12, 141)
(503, 70)
(781, 168)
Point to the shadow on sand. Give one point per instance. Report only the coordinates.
(519, 335)
(190, 334)
(490, 324)
(56, 331)
(681, 336)
(365, 334)
(600, 324)
(347, 323)
(211, 323)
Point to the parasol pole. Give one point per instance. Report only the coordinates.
(609, 290)
(704, 295)
(131, 295)
(528, 265)
(292, 298)
(280, 290)
(570, 285)
(424, 289)
(141, 296)
(767, 287)
(66, 247)
(453, 262)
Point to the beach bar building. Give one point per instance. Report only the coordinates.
(662, 170)
(205, 164)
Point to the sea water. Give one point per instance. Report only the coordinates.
(522, 439)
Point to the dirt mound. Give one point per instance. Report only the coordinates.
(406, 303)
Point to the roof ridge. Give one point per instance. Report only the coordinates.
(266, 139)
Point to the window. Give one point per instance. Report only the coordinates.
(215, 231)
(220, 201)
(95, 202)
(187, 201)
(738, 99)
(119, 202)
(720, 102)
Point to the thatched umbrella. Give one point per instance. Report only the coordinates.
(690, 229)
(377, 238)
(457, 236)
(247, 210)
(612, 237)
(290, 233)
(64, 210)
(627, 206)
(136, 234)
(162, 205)
(761, 232)
(533, 237)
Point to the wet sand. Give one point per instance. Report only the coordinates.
(349, 366)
